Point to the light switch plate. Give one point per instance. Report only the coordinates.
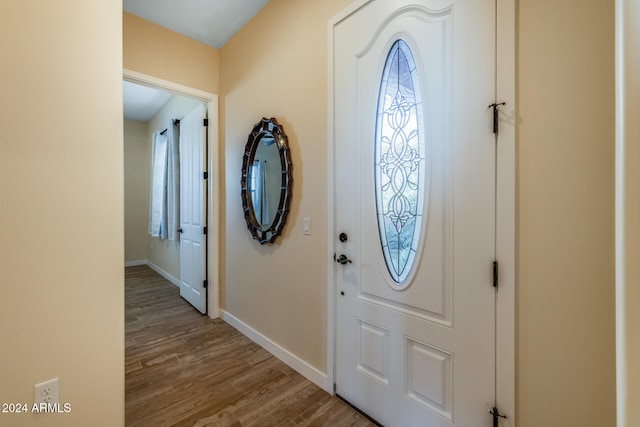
(307, 226)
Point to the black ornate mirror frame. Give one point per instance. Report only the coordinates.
(261, 129)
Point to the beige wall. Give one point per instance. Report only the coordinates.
(166, 253)
(565, 305)
(279, 71)
(137, 164)
(158, 52)
(62, 237)
(628, 212)
(161, 53)
(61, 244)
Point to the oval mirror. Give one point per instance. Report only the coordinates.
(266, 180)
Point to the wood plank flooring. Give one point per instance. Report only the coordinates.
(184, 369)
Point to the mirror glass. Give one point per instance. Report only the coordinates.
(266, 180)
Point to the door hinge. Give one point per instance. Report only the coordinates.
(496, 416)
(495, 106)
(206, 122)
(205, 175)
(495, 274)
(205, 284)
(204, 230)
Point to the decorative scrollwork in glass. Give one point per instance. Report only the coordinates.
(399, 161)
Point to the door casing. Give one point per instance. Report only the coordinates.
(213, 181)
(505, 206)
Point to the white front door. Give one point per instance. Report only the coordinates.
(193, 209)
(415, 199)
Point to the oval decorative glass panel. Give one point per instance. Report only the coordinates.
(399, 161)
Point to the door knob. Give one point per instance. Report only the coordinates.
(342, 259)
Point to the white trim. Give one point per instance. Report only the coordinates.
(624, 142)
(163, 273)
(176, 88)
(303, 368)
(155, 268)
(620, 285)
(506, 209)
(213, 207)
(213, 210)
(506, 202)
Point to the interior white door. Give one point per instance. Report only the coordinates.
(415, 309)
(193, 209)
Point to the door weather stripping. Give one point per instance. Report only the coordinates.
(495, 274)
(495, 106)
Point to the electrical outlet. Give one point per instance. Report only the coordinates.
(46, 392)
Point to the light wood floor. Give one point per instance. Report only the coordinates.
(184, 369)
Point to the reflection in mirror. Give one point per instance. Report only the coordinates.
(266, 180)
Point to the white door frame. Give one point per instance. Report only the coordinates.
(505, 206)
(213, 184)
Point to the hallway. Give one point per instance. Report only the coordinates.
(184, 369)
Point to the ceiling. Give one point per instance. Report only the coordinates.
(211, 22)
(141, 102)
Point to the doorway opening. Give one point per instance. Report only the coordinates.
(177, 112)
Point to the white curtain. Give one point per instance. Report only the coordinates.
(164, 198)
(158, 187)
(173, 182)
(259, 194)
(264, 195)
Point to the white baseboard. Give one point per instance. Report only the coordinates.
(302, 367)
(164, 273)
(154, 267)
